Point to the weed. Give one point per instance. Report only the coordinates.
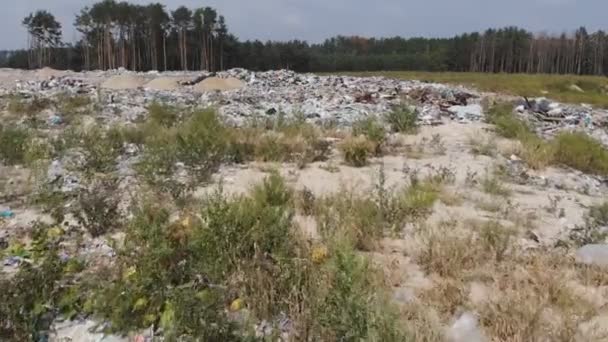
(403, 120)
(518, 311)
(200, 143)
(70, 105)
(357, 150)
(97, 209)
(162, 114)
(492, 185)
(483, 146)
(593, 230)
(41, 290)
(373, 130)
(495, 238)
(100, 152)
(305, 201)
(13, 142)
(28, 107)
(350, 308)
(449, 253)
(438, 145)
(581, 152)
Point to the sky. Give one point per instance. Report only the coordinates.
(315, 20)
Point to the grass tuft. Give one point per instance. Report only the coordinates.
(357, 150)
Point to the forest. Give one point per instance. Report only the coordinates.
(151, 37)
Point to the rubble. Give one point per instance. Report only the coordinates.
(239, 94)
(593, 255)
(549, 118)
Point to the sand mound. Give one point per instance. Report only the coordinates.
(222, 84)
(47, 72)
(123, 82)
(164, 83)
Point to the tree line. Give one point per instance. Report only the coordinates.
(150, 37)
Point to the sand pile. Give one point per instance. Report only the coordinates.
(123, 82)
(222, 84)
(47, 72)
(164, 83)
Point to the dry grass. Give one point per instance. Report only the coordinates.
(530, 299)
(357, 150)
(482, 145)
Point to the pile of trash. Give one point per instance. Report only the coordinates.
(239, 94)
(549, 118)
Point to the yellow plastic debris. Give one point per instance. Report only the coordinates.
(319, 254)
(54, 232)
(237, 305)
(128, 273)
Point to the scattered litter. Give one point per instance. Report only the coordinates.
(6, 213)
(55, 120)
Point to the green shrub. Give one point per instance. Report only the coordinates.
(403, 120)
(42, 289)
(201, 143)
(100, 151)
(181, 275)
(581, 152)
(97, 207)
(349, 306)
(373, 130)
(13, 144)
(507, 125)
(162, 114)
(357, 150)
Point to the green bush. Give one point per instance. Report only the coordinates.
(349, 306)
(581, 152)
(13, 145)
(162, 114)
(42, 289)
(201, 143)
(507, 125)
(373, 130)
(403, 120)
(100, 150)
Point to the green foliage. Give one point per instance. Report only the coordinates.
(13, 144)
(373, 130)
(364, 219)
(507, 125)
(99, 149)
(357, 150)
(581, 152)
(576, 149)
(165, 270)
(71, 105)
(162, 114)
(280, 141)
(38, 292)
(97, 207)
(350, 308)
(28, 107)
(403, 120)
(201, 143)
